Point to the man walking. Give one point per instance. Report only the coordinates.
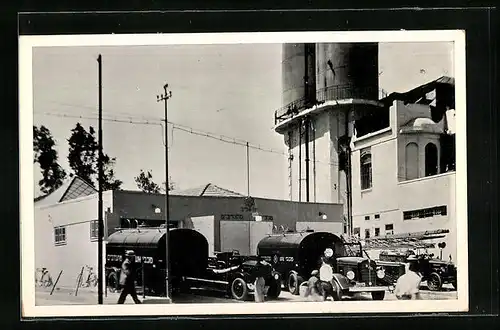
(408, 285)
(127, 278)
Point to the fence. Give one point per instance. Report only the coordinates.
(328, 93)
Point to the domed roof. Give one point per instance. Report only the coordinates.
(424, 125)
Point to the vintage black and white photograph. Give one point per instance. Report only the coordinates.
(243, 173)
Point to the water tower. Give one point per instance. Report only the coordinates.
(325, 88)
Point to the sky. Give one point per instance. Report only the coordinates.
(228, 90)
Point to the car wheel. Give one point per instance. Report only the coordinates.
(112, 282)
(378, 295)
(239, 290)
(294, 281)
(434, 282)
(274, 290)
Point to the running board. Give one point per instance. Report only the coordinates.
(367, 289)
(205, 280)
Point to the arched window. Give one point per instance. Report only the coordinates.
(411, 161)
(431, 159)
(366, 170)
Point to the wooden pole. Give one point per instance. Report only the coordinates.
(79, 281)
(57, 280)
(100, 231)
(248, 169)
(142, 281)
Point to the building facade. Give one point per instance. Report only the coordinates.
(389, 159)
(66, 222)
(404, 174)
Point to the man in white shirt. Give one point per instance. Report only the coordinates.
(326, 277)
(408, 285)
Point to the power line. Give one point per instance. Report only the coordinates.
(183, 128)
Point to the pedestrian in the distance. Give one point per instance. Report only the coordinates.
(260, 282)
(127, 278)
(408, 285)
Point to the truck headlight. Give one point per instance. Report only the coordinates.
(276, 276)
(350, 275)
(328, 253)
(381, 273)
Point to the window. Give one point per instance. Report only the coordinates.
(425, 213)
(94, 229)
(431, 159)
(377, 231)
(60, 235)
(367, 233)
(357, 231)
(367, 217)
(377, 216)
(366, 169)
(389, 229)
(411, 161)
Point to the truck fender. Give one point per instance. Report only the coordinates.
(341, 280)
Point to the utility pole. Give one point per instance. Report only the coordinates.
(348, 173)
(159, 98)
(248, 169)
(100, 226)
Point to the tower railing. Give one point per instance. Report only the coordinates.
(338, 92)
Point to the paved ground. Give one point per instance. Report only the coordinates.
(89, 297)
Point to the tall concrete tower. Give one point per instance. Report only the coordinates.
(325, 88)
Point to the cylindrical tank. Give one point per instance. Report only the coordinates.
(298, 84)
(347, 70)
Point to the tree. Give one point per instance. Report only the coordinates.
(46, 156)
(83, 158)
(145, 183)
(82, 155)
(109, 181)
(171, 185)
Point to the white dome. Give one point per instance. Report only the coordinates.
(422, 124)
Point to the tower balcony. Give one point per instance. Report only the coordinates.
(341, 94)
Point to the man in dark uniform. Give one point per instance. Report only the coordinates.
(127, 278)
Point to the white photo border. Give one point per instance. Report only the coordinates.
(28, 307)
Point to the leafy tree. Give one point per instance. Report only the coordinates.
(145, 183)
(83, 150)
(83, 158)
(171, 185)
(46, 156)
(109, 181)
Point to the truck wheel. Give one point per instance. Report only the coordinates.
(293, 283)
(112, 282)
(239, 290)
(434, 282)
(378, 295)
(274, 290)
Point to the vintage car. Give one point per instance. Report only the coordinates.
(296, 255)
(235, 275)
(188, 256)
(434, 271)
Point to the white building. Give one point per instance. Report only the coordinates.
(66, 221)
(403, 177)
